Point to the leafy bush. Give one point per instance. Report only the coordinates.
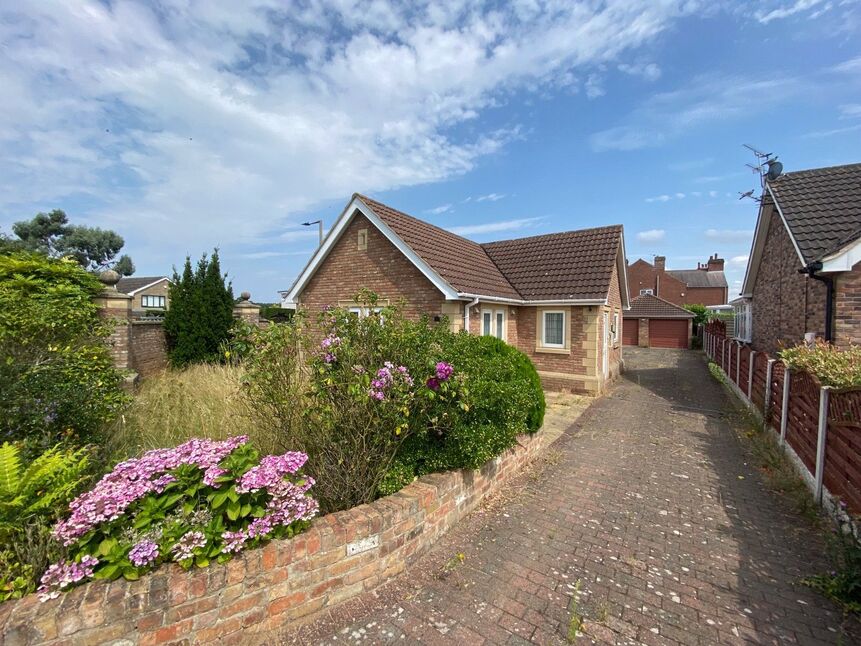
(56, 373)
(202, 501)
(832, 366)
(31, 500)
(201, 313)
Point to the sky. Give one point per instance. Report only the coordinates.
(187, 125)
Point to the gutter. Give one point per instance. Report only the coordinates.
(811, 271)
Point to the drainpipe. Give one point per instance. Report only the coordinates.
(811, 270)
(468, 307)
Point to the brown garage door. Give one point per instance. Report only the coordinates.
(630, 331)
(668, 333)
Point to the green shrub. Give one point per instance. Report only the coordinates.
(201, 313)
(32, 498)
(56, 373)
(832, 366)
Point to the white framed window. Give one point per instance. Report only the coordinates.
(647, 292)
(153, 301)
(553, 329)
(616, 328)
(743, 319)
(362, 312)
(493, 323)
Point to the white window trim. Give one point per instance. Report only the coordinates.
(743, 320)
(647, 292)
(544, 342)
(616, 328)
(494, 331)
(159, 299)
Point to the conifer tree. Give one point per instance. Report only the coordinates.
(200, 314)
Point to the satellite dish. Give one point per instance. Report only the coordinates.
(775, 168)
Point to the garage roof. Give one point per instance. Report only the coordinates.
(652, 307)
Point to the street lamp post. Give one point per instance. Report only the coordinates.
(318, 222)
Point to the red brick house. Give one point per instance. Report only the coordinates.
(804, 271)
(652, 322)
(705, 285)
(557, 297)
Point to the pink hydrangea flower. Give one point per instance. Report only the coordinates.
(61, 575)
(143, 553)
(190, 541)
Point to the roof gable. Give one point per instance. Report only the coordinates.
(132, 284)
(571, 266)
(699, 278)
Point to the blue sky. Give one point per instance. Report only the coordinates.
(186, 125)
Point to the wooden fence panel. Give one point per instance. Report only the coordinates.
(778, 374)
(743, 369)
(730, 364)
(758, 388)
(843, 447)
(802, 427)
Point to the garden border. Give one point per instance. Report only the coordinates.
(339, 557)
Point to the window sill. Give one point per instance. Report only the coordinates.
(553, 350)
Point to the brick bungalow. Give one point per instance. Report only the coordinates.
(557, 297)
(705, 285)
(804, 271)
(149, 293)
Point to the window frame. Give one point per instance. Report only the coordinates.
(493, 328)
(145, 300)
(544, 342)
(743, 320)
(617, 333)
(647, 292)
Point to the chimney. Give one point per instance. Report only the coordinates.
(715, 263)
(661, 263)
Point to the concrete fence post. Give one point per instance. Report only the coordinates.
(751, 360)
(738, 364)
(824, 396)
(769, 375)
(723, 355)
(784, 407)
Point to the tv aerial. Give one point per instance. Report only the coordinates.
(767, 167)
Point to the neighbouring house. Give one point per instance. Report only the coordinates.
(803, 275)
(149, 293)
(705, 285)
(653, 322)
(559, 297)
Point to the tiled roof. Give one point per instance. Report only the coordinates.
(822, 208)
(699, 277)
(462, 263)
(652, 307)
(129, 284)
(559, 266)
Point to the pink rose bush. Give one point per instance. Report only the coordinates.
(203, 500)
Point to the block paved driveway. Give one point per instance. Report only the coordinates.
(646, 504)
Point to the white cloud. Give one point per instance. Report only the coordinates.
(443, 208)
(850, 110)
(659, 198)
(729, 235)
(492, 197)
(667, 115)
(594, 86)
(648, 71)
(739, 261)
(849, 66)
(785, 11)
(652, 235)
(494, 227)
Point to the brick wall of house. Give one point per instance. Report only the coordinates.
(706, 295)
(147, 349)
(847, 307)
(161, 289)
(260, 593)
(641, 275)
(380, 267)
(614, 300)
(786, 304)
(672, 289)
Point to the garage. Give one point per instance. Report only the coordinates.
(631, 332)
(668, 333)
(655, 323)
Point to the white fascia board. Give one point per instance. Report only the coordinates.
(335, 234)
(843, 260)
(155, 282)
(520, 301)
(788, 230)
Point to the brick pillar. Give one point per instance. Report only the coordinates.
(116, 307)
(643, 333)
(246, 310)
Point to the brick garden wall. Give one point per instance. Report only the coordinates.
(147, 347)
(266, 590)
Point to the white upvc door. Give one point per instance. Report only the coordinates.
(493, 323)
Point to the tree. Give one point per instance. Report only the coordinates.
(201, 312)
(702, 314)
(92, 248)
